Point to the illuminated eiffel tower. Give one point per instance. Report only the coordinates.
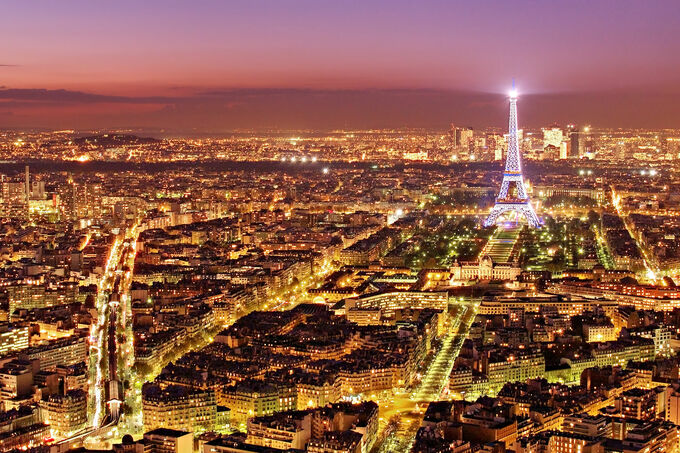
(513, 195)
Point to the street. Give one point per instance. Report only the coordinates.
(401, 414)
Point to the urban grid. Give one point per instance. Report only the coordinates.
(505, 288)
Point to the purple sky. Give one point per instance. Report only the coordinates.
(219, 65)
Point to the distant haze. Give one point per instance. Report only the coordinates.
(223, 65)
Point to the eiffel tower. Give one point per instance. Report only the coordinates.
(513, 195)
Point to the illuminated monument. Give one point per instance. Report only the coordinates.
(513, 197)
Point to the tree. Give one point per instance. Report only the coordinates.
(629, 281)
(593, 217)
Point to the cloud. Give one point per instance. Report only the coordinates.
(68, 96)
(329, 92)
(215, 109)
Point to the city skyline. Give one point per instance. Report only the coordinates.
(220, 66)
(266, 226)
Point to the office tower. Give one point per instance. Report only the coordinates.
(579, 141)
(464, 136)
(496, 144)
(564, 150)
(27, 186)
(552, 137)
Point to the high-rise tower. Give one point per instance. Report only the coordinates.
(27, 190)
(513, 195)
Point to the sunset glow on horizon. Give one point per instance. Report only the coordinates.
(159, 62)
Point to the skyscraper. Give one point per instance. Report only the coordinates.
(574, 142)
(27, 189)
(552, 136)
